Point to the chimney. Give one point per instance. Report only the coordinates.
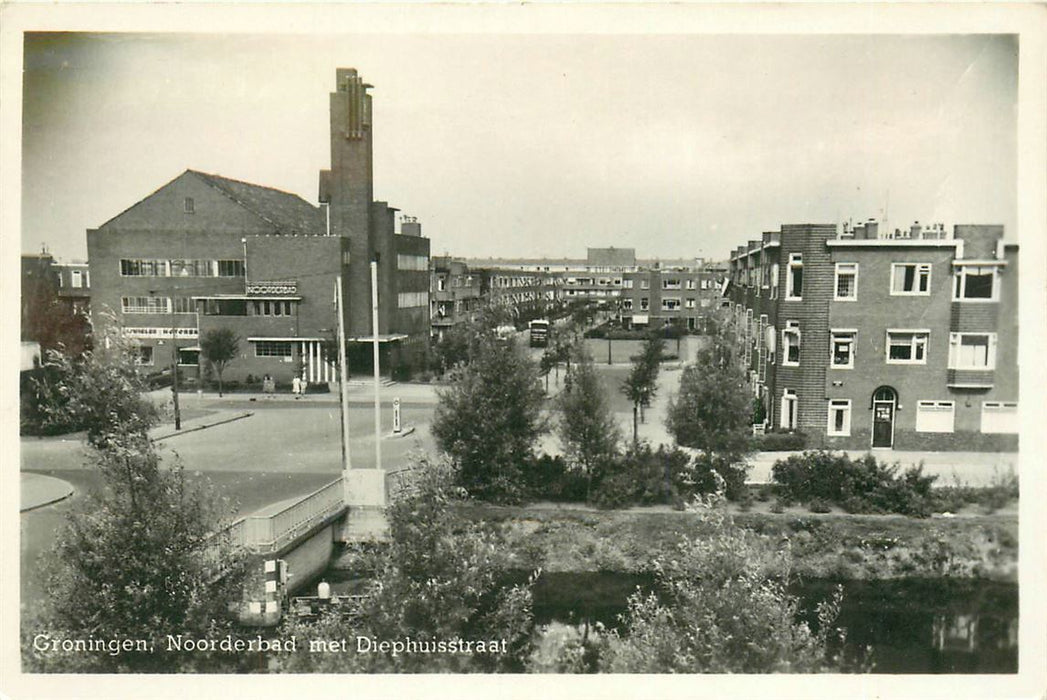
(409, 226)
(916, 229)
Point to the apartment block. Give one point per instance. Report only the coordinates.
(206, 252)
(864, 338)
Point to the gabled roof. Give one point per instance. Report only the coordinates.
(289, 213)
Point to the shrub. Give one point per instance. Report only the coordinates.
(548, 478)
(859, 486)
(819, 506)
(778, 442)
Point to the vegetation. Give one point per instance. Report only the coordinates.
(137, 560)
(490, 417)
(440, 578)
(778, 442)
(857, 485)
(220, 346)
(721, 606)
(641, 385)
(586, 426)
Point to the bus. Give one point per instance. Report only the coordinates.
(539, 332)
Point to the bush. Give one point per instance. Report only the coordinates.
(778, 442)
(548, 478)
(859, 486)
(819, 506)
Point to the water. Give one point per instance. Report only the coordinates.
(909, 625)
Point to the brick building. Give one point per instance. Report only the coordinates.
(206, 252)
(663, 296)
(865, 338)
(55, 302)
(454, 294)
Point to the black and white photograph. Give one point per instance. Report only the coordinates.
(638, 349)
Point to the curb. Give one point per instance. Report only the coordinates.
(72, 490)
(246, 414)
(402, 434)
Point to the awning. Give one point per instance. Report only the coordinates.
(382, 338)
(257, 339)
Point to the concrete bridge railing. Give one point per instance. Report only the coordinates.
(271, 532)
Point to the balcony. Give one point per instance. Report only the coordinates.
(970, 378)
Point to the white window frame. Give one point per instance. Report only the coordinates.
(645, 304)
(627, 304)
(999, 408)
(627, 284)
(955, 344)
(960, 284)
(913, 344)
(690, 302)
(838, 405)
(774, 281)
(920, 267)
(671, 303)
(76, 279)
(795, 262)
(152, 305)
(842, 333)
(846, 268)
(926, 409)
(792, 328)
(789, 396)
(271, 345)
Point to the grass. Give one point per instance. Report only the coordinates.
(830, 545)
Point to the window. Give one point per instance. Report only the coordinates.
(910, 278)
(794, 279)
(791, 344)
(272, 307)
(645, 284)
(935, 416)
(973, 282)
(839, 417)
(272, 348)
(788, 417)
(410, 300)
(231, 268)
(774, 281)
(846, 281)
(412, 262)
(145, 305)
(183, 305)
(999, 417)
(627, 284)
(671, 283)
(441, 283)
(145, 355)
(190, 205)
(645, 303)
(842, 349)
(191, 268)
(670, 303)
(907, 347)
(225, 307)
(77, 278)
(627, 304)
(143, 268)
(972, 351)
(691, 284)
(690, 302)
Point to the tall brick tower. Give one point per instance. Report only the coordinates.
(347, 190)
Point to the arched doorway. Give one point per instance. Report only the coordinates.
(884, 404)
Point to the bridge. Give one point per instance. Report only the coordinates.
(290, 544)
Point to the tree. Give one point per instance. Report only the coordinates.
(490, 418)
(712, 411)
(586, 428)
(138, 559)
(440, 577)
(220, 346)
(723, 607)
(641, 385)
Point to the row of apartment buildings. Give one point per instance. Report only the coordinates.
(640, 293)
(862, 338)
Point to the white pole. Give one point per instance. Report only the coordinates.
(374, 340)
(343, 382)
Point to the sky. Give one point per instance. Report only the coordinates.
(537, 145)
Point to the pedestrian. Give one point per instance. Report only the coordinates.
(296, 387)
(305, 385)
(268, 387)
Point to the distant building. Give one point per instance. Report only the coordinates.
(455, 295)
(867, 339)
(54, 312)
(206, 252)
(669, 297)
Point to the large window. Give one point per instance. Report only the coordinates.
(145, 355)
(846, 281)
(972, 351)
(272, 348)
(409, 300)
(973, 282)
(272, 307)
(907, 347)
(794, 278)
(910, 278)
(411, 262)
(791, 344)
(143, 268)
(191, 268)
(670, 303)
(671, 283)
(225, 307)
(788, 418)
(231, 268)
(999, 417)
(627, 304)
(935, 416)
(183, 305)
(842, 349)
(839, 417)
(145, 305)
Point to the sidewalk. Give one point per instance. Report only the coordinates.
(407, 392)
(39, 490)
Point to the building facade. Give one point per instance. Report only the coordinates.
(866, 339)
(206, 252)
(669, 296)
